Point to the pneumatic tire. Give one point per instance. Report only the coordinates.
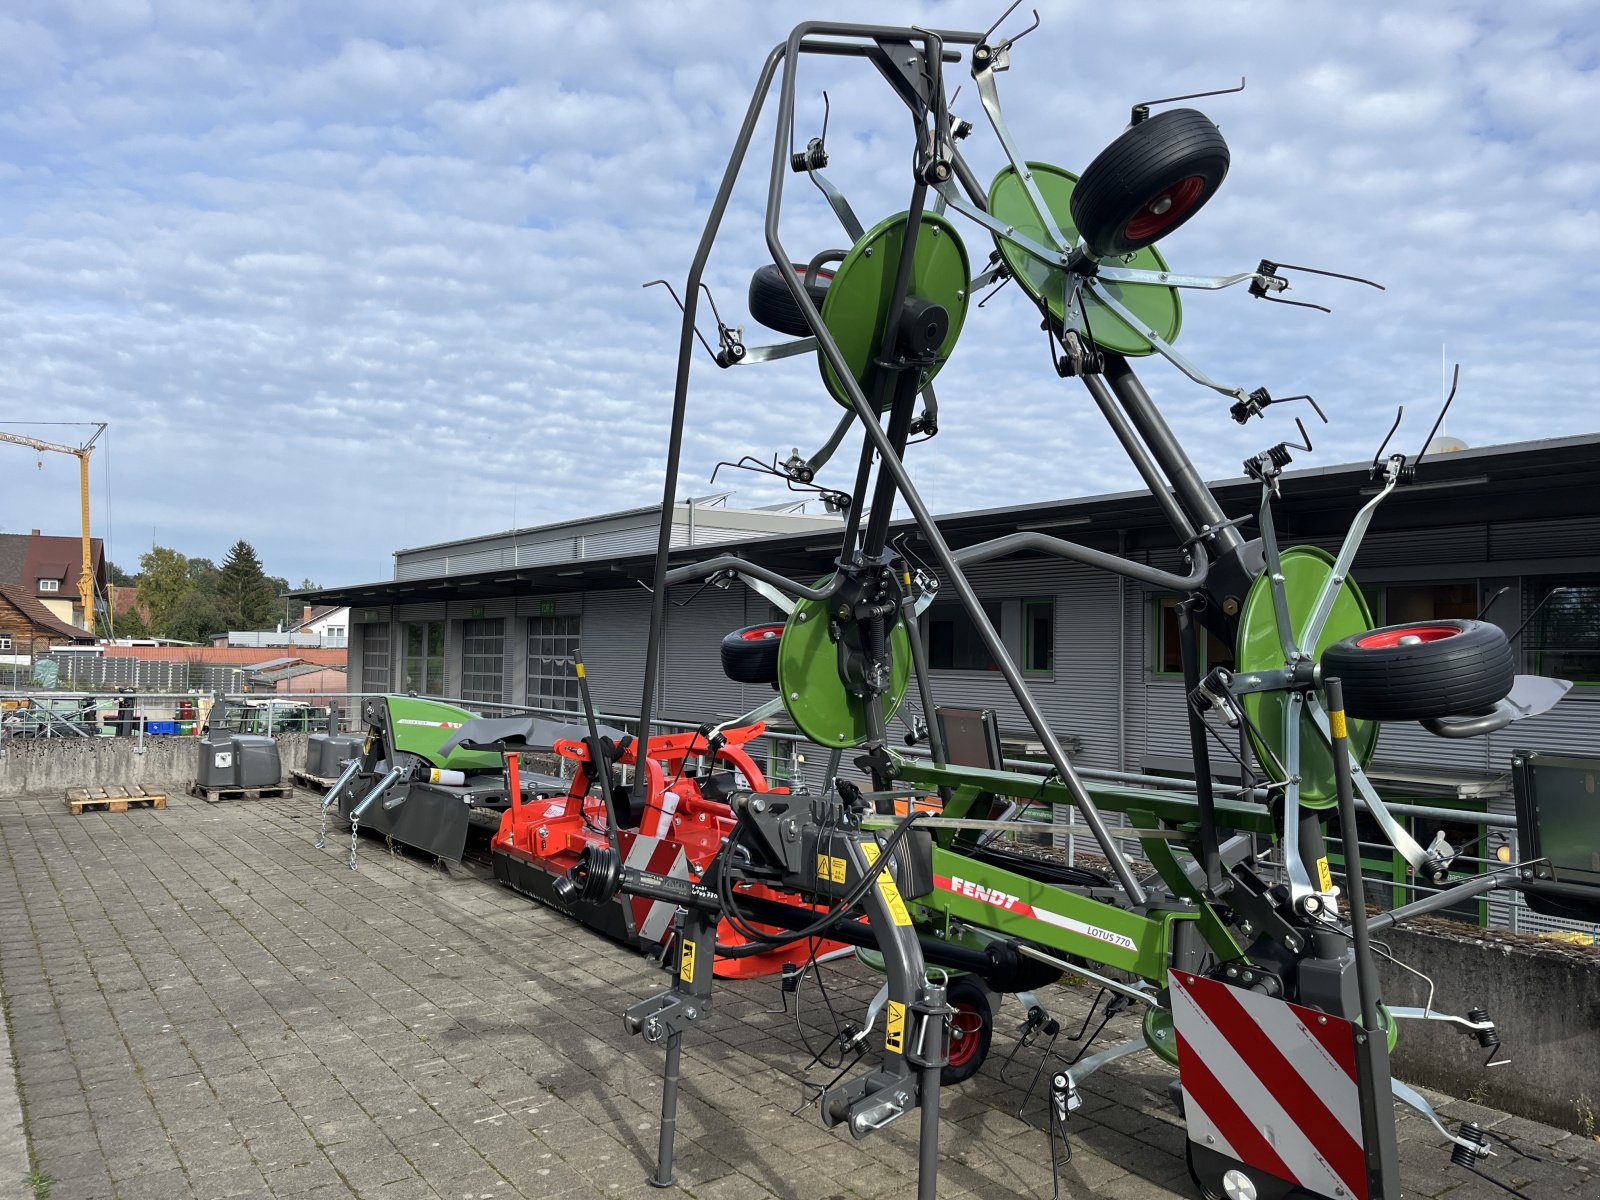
(773, 306)
(1152, 179)
(1422, 670)
(750, 655)
(971, 1031)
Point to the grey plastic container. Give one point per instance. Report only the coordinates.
(238, 760)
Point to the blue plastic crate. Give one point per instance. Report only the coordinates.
(161, 727)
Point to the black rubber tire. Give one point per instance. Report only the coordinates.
(1177, 155)
(750, 655)
(1462, 672)
(969, 998)
(774, 307)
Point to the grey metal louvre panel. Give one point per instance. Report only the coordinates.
(1568, 728)
(418, 568)
(353, 667)
(615, 625)
(693, 687)
(1409, 742)
(452, 658)
(515, 683)
(1569, 538)
(1404, 547)
(479, 560)
(1078, 698)
(499, 606)
(419, 612)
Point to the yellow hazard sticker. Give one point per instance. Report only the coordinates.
(686, 961)
(1336, 723)
(1324, 876)
(830, 869)
(894, 1030)
(898, 913)
(580, 669)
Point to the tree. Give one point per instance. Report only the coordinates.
(164, 584)
(197, 618)
(116, 576)
(244, 594)
(204, 573)
(131, 624)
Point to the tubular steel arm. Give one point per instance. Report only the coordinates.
(891, 463)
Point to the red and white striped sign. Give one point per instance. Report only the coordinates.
(1270, 1084)
(653, 918)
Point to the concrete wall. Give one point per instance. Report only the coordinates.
(46, 765)
(1545, 998)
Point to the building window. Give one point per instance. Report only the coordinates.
(1169, 647)
(333, 631)
(49, 585)
(953, 641)
(1038, 636)
(424, 657)
(552, 663)
(1565, 636)
(375, 658)
(483, 660)
(5, 643)
(1404, 604)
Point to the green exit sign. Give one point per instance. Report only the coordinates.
(477, 611)
(547, 608)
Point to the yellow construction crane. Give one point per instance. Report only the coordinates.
(81, 453)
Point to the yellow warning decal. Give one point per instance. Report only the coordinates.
(894, 1031)
(686, 962)
(898, 912)
(1324, 876)
(1336, 723)
(830, 869)
(580, 670)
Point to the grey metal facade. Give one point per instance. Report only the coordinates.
(1103, 695)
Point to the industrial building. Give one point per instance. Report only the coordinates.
(1510, 531)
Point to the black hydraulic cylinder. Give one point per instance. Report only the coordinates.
(1193, 494)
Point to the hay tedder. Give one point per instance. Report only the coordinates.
(1257, 985)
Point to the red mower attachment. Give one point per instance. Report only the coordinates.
(671, 821)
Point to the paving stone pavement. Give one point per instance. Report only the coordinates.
(202, 1004)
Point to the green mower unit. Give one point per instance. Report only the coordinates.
(409, 786)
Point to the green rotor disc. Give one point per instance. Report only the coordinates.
(1157, 306)
(856, 305)
(808, 677)
(1305, 569)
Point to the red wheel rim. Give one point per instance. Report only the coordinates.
(762, 633)
(1382, 639)
(965, 1027)
(1165, 209)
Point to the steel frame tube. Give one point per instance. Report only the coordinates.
(1179, 468)
(1011, 543)
(1139, 455)
(876, 436)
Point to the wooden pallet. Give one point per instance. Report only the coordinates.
(213, 795)
(112, 799)
(314, 782)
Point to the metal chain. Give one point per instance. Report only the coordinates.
(354, 830)
(322, 829)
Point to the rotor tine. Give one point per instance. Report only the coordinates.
(1332, 274)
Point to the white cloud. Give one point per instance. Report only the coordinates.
(350, 277)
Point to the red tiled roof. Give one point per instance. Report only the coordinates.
(22, 599)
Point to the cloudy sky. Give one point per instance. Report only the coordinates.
(350, 277)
